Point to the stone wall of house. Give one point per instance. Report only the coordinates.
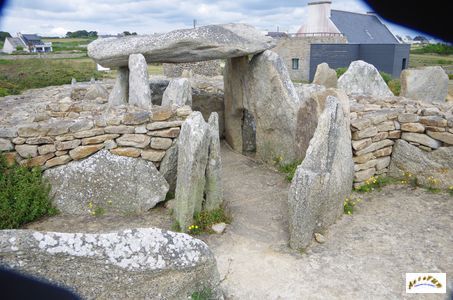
(376, 124)
(299, 47)
(207, 68)
(68, 130)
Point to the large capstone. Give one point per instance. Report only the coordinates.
(184, 45)
(178, 92)
(323, 180)
(139, 91)
(362, 78)
(214, 188)
(433, 169)
(144, 263)
(108, 182)
(427, 84)
(120, 92)
(193, 145)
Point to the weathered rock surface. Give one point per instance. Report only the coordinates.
(178, 92)
(139, 91)
(426, 84)
(184, 45)
(169, 166)
(325, 76)
(120, 92)
(422, 164)
(214, 187)
(362, 78)
(113, 183)
(96, 90)
(323, 180)
(193, 143)
(276, 120)
(143, 263)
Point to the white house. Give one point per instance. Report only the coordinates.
(26, 42)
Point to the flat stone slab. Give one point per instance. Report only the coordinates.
(106, 182)
(143, 263)
(184, 45)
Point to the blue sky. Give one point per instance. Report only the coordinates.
(51, 18)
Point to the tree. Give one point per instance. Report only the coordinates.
(81, 34)
(3, 35)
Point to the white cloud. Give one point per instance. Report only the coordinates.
(60, 31)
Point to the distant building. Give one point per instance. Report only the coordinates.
(26, 42)
(338, 38)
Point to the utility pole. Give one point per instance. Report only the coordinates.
(194, 23)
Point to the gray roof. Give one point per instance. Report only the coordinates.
(362, 28)
(15, 42)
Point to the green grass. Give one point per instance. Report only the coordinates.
(19, 75)
(205, 294)
(341, 71)
(24, 195)
(374, 183)
(289, 169)
(424, 60)
(441, 49)
(203, 220)
(155, 69)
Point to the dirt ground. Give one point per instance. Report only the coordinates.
(365, 256)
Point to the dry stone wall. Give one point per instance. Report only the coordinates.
(64, 130)
(376, 124)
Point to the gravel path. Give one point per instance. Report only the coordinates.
(366, 255)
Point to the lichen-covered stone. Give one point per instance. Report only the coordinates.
(178, 92)
(120, 92)
(169, 166)
(143, 263)
(427, 84)
(115, 183)
(139, 91)
(325, 76)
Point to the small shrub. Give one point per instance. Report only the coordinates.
(450, 76)
(205, 294)
(289, 169)
(410, 179)
(341, 71)
(205, 219)
(387, 77)
(349, 203)
(433, 185)
(374, 183)
(24, 195)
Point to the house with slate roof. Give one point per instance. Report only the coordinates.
(338, 38)
(26, 42)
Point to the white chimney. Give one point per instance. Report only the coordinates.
(318, 20)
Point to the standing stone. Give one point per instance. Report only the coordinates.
(325, 76)
(193, 145)
(169, 166)
(139, 91)
(323, 180)
(214, 188)
(120, 92)
(422, 164)
(427, 84)
(362, 78)
(273, 100)
(178, 92)
(114, 183)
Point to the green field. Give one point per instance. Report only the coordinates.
(19, 75)
(69, 44)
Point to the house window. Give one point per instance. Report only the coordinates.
(295, 63)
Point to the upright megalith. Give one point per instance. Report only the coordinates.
(325, 76)
(139, 90)
(193, 146)
(213, 189)
(178, 92)
(272, 99)
(362, 78)
(120, 92)
(324, 179)
(428, 84)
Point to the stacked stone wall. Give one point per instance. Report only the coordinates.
(377, 124)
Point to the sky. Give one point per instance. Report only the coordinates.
(56, 17)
